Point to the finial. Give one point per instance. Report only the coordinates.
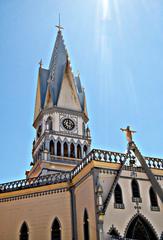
(40, 63)
(59, 25)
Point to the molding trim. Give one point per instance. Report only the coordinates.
(32, 195)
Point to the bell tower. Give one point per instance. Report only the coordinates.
(60, 118)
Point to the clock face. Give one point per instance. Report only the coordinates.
(68, 124)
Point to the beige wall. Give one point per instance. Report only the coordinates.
(39, 213)
(121, 217)
(85, 200)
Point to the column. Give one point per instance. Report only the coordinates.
(75, 150)
(62, 152)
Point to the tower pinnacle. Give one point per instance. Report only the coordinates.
(40, 63)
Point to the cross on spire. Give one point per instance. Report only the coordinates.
(59, 25)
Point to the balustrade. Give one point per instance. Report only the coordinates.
(95, 154)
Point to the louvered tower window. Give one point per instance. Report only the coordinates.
(72, 150)
(58, 148)
(56, 230)
(51, 147)
(24, 232)
(65, 147)
(79, 151)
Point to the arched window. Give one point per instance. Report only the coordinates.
(86, 225)
(24, 232)
(135, 189)
(65, 147)
(49, 124)
(58, 148)
(51, 147)
(72, 150)
(39, 131)
(153, 198)
(56, 230)
(85, 150)
(79, 151)
(118, 197)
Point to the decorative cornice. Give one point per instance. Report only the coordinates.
(59, 110)
(56, 133)
(32, 195)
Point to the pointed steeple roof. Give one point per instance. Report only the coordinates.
(51, 79)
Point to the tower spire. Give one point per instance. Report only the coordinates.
(59, 25)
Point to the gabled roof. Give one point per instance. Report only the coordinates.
(53, 77)
(156, 186)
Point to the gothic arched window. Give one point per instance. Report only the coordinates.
(153, 199)
(79, 151)
(51, 147)
(49, 124)
(58, 148)
(118, 194)
(135, 189)
(65, 147)
(86, 225)
(118, 197)
(72, 150)
(24, 232)
(85, 150)
(56, 230)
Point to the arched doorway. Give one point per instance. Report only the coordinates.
(140, 229)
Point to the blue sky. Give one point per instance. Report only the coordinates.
(117, 45)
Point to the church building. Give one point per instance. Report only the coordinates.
(72, 191)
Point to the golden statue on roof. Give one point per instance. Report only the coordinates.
(129, 133)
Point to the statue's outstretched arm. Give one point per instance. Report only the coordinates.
(133, 131)
(122, 129)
